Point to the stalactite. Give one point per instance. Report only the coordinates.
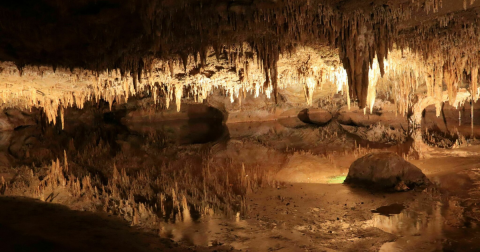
(452, 88)
(178, 96)
(372, 50)
(62, 117)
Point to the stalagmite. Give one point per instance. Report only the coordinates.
(474, 83)
(65, 161)
(471, 114)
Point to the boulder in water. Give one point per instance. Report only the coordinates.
(385, 170)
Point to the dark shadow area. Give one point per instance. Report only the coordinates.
(201, 111)
(202, 131)
(205, 124)
(30, 225)
(389, 210)
(293, 123)
(194, 124)
(303, 116)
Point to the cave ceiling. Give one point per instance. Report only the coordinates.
(55, 54)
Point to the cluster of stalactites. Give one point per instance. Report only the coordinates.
(449, 49)
(365, 44)
(44, 88)
(407, 71)
(308, 68)
(361, 36)
(400, 79)
(55, 90)
(232, 69)
(360, 43)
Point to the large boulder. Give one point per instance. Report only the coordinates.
(385, 170)
(315, 116)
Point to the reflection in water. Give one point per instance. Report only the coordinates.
(417, 230)
(411, 223)
(184, 132)
(452, 123)
(206, 231)
(389, 210)
(336, 180)
(182, 174)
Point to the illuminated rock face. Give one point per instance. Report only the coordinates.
(385, 170)
(295, 53)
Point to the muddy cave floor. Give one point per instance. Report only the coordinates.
(309, 211)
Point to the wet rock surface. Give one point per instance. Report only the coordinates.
(385, 170)
(259, 188)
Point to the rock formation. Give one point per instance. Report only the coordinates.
(385, 170)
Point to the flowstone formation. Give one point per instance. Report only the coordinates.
(413, 54)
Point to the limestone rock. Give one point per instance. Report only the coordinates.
(12, 118)
(385, 170)
(5, 124)
(315, 116)
(18, 118)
